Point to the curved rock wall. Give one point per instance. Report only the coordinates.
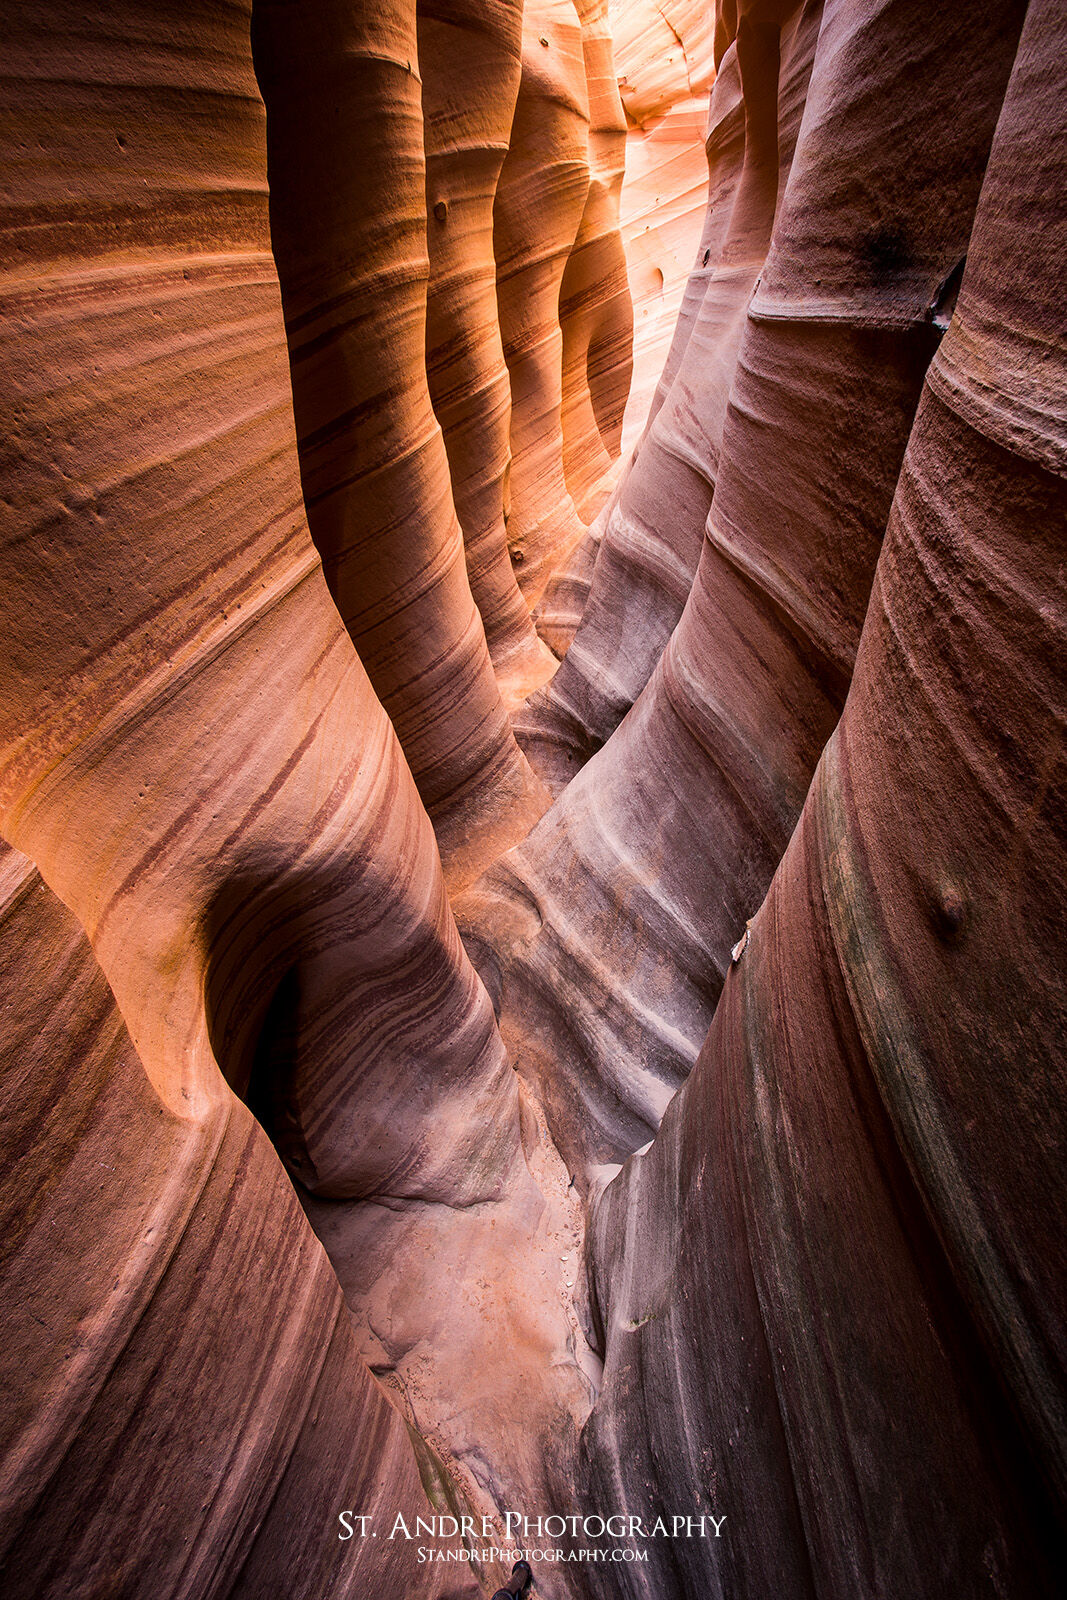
(665, 66)
(470, 62)
(651, 536)
(194, 758)
(347, 175)
(839, 1258)
(610, 927)
(820, 665)
(540, 204)
(596, 320)
(658, 81)
(192, 752)
(185, 1407)
(596, 314)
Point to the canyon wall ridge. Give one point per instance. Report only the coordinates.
(533, 798)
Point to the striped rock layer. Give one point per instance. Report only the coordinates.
(193, 757)
(347, 173)
(665, 64)
(470, 63)
(609, 929)
(185, 1408)
(316, 346)
(831, 1294)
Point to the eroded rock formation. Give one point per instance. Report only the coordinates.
(595, 310)
(347, 173)
(611, 926)
(664, 59)
(540, 204)
(182, 1386)
(733, 1183)
(848, 1209)
(198, 764)
(644, 554)
(193, 754)
(470, 61)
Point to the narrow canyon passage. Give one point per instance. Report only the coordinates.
(533, 800)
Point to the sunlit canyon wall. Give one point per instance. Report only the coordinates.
(665, 66)
(534, 825)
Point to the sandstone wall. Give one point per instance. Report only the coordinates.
(858, 1296)
(184, 1402)
(718, 1167)
(611, 926)
(664, 59)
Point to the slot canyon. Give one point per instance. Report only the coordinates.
(533, 795)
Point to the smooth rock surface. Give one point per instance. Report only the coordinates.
(606, 935)
(185, 1408)
(194, 756)
(470, 62)
(831, 1292)
(733, 1185)
(347, 173)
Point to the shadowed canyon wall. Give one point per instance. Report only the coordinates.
(853, 1218)
(196, 1389)
(438, 1083)
(616, 899)
(193, 754)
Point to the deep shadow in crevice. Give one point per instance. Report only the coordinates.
(258, 930)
